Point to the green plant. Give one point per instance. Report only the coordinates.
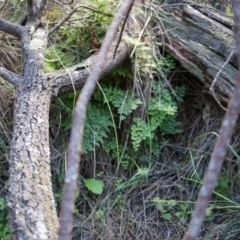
(98, 123)
(95, 186)
(173, 209)
(4, 227)
(123, 101)
(162, 113)
(55, 58)
(75, 39)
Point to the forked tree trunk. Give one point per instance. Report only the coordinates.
(30, 200)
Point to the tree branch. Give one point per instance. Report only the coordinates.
(10, 76)
(74, 77)
(11, 28)
(32, 10)
(41, 8)
(58, 25)
(35, 10)
(75, 144)
(219, 151)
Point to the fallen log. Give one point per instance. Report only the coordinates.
(201, 39)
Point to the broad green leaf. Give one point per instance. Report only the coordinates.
(95, 186)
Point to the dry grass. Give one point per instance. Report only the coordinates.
(6, 113)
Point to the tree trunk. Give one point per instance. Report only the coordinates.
(33, 212)
(31, 203)
(201, 39)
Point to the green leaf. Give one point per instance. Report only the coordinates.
(167, 216)
(143, 171)
(95, 186)
(99, 214)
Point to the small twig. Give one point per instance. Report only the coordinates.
(221, 69)
(75, 144)
(121, 32)
(10, 76)
(57, 26)
(140, 35)
(215, 98)
(216, 77)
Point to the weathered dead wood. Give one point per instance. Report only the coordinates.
(201, 39)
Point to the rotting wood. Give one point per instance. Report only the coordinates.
(201, 39)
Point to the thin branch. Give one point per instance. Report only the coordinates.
(11, 28)
(57, 26)
(41, 8)
(10, 76)
(32, 10)
(236, 14)
(121, 32)
(219, 151)
(221, 69)
(216, 78)
(35, 10)
(75, 144)
(215, 164)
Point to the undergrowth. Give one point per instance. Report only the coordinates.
(143, 161)
(132, 122)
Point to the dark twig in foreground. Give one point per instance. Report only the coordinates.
(219, 151)
(75, 144)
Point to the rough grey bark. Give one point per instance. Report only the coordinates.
(30, 200)
(201, 39)
(32, 211)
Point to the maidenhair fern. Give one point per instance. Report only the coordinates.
(170, 125)
(140, 131)
(179, 93)
(161, 115)
(98, 123)
(124, 102)
(56, 59)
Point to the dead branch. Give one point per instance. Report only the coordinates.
(11, 28)
(200, 39)
(74, 77)
(219, 151)
(74, 148)
(35, 10)
(9, 76)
